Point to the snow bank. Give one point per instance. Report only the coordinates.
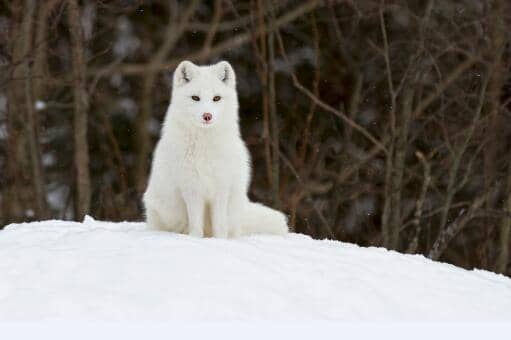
(120, 271)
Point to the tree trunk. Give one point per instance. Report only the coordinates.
(496, 140)
(80, 96)
(505, 229)
(273, 114)
(31, 126)
(25, 181)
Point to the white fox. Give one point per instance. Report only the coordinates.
(201, 167)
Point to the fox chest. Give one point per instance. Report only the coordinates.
(206, 171)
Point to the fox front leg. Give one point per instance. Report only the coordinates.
(195, 210)
(219, 216)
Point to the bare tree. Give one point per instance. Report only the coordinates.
(22, 118)
(383, 123)
(81, 107)
(175, 28)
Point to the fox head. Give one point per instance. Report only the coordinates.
(205, 96)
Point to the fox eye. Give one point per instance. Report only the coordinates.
(196, 98)
(216, 98)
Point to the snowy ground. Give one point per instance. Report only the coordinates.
(101, 271)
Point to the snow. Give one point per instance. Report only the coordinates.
(103, 271)
(39, 105)
(253, 330)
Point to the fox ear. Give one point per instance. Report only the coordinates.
(226, 73)
(184, 73)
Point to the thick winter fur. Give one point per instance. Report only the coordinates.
(201, 167)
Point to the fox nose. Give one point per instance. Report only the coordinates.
(207, 117)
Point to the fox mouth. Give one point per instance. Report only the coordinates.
(206, 124)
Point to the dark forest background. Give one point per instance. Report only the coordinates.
(383, 123)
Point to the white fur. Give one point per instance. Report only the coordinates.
(201, 172)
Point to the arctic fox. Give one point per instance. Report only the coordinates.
(201, 167)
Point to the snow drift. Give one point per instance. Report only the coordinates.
(120, 271)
